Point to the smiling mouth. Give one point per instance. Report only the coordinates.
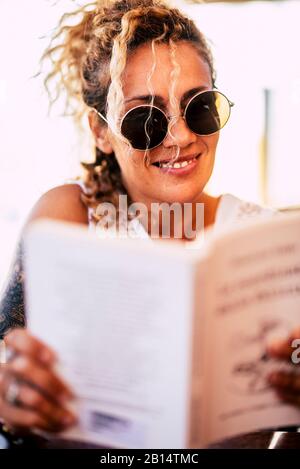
(175, 164)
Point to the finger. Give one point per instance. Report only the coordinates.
(43, 379)
(2, 377)
(290, 382)
(282, 348)
(20, 341)
(25, 418)
(31, 399)
(295, 333)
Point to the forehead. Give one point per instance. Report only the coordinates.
(194, 71)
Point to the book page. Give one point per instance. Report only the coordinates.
(197, 369)
(118, 313)
(253, 295)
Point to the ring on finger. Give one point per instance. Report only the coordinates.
(12, 393)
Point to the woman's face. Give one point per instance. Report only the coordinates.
(147, 182)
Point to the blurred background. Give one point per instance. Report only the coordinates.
(255, 44)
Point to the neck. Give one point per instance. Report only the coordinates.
(183, 221)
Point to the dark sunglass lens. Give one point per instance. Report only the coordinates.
(145, 127)
(207, 112)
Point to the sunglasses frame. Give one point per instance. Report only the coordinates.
(230, 103)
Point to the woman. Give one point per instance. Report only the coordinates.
(145, 72)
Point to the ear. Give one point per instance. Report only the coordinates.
(100, 131)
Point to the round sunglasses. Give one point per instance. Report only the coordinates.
(146, 126)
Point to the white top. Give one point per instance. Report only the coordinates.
(231, 212)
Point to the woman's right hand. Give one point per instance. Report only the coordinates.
(32, 395)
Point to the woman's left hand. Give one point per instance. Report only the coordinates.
(287, 384)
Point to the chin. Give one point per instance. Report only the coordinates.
(181, 196)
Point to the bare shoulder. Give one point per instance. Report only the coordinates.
(61, 203)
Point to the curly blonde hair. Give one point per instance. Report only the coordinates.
(88, 58)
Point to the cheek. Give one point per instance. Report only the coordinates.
(211, 143)
(123, 153)
(130, 161)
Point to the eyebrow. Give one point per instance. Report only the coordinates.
(160, 100)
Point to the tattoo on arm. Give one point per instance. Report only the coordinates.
(12, 310)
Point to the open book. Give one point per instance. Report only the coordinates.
(165, 347)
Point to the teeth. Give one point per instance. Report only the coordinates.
(176, 165)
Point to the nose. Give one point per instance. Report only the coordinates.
(179, 134)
